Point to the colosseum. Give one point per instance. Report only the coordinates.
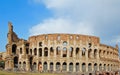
(72, 53)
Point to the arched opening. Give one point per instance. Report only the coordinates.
(100, 53)
(51, 51)
(71, 51)
(58, 51)
(95, 67)
(100, 67)
(65, 43)
(51, 66)
(40, 44)
(30, 51)
(20, 50)
(89, 53)
(104, 67)
(71, 67)
(58, 66)
(14, 48)
(20, 65)
(90, 73)
(27, 50)
(64, 67)
(35, 51)
(64, 52)
(77, 52)
(34, 66)
(15, 62)
(39, 66)
(89, 67)
(77, 67)
(45, 51)
(95, 53)
(83, 67)
(45, 66)
(108, 67)
(83, 51)
(24, 65)
(31, 59)
(40, 52)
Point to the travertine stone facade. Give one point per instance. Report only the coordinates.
(60, 53)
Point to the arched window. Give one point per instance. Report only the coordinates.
(58, 66)
(77, 67)
(71, 67)
(71, 51)
(64, 66)
(40, 44)
(27, 50)
(64, 43)
(20, 50)
(64, 52)
(45, 51)
(51, 66)
(89, 67)
(24, 65)
(31, 51)
(95, 53)
(89, 53)
(83, 67)
(14, 48)
(51, 51)
(77, 52)
(15, 62)
(35, 51)
(40, 52)
(45, 66)
(83, 51)
(58, 50)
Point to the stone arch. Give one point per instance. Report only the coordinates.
(35, 51)
(45, 66)
(83, 51)
(65, 43)
(89, 67)
(100, 67)
(51, 66)
(104, 67)
(71, 51)
(51, 51)
(77, 51)
(31, 59)
(45, 51)
(58, 50)
(95, 53)
(20, 50)
(40, 52)
(64, 52)
(83, 67)
(16, 62)
(77, 66)
(89, 53)
(30, 51)
(95, 67)
(64, 66)
(71, 67)
(39, 66)
(34, 66)
(40, 44)
(58, 66)
(108, 67)
(24, 65)
(20, 64)
(14, 48)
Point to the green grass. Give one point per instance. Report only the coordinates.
(13, 73)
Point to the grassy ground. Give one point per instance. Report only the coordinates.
(11, 73)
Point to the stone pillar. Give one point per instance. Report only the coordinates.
(54, 51)
(48, 67)
(42, 51)
(86, 67)
(67, 52)
(80, 67)
(48, 52)
(54, 67)
(86, 54)
(61, 52)
(27, 65)
(80, 53)
(67, 67)
(74, 67)
(74, 50)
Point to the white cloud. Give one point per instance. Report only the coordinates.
(61, 25)
(92, 17)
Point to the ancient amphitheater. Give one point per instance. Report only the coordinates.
(73, 53)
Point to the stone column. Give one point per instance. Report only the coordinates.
(86, 67)
(42, 52)
(86, 54)
(48, 52)
(74, 67)
(54, 51)
(67, 67)
(80, 67)
(54, 67)
(67, 52)
(27, 65)
(74, 52)
(61, 52)
(48, 67)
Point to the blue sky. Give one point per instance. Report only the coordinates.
(90, 17)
